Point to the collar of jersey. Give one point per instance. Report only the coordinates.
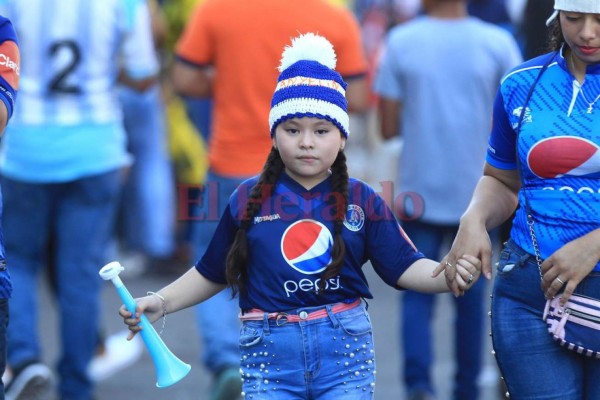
(592, 69)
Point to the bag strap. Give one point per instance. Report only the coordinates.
(530, 221)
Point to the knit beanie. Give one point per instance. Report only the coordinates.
(308, 85)
(582, 6)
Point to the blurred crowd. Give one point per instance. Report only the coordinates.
(173, 185)
(160, 241)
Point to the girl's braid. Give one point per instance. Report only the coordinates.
(239, 253)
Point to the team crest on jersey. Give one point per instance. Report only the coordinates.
(355, 218)
(526, 118)
(306, 246)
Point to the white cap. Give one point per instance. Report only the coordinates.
(582, 6)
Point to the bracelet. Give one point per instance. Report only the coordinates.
(164, 310)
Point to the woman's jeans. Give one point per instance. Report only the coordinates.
(330, 358)
(533, 365)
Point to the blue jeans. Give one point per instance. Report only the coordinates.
(79, 216)
(218, 316)
(330, 358)
(417, 313)
(532, 364)
(148, 204)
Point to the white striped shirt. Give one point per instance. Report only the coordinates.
(71, 53)
(68, 120)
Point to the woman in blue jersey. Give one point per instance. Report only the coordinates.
(554, 129)
(292, 243)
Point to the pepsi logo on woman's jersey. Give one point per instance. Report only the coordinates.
(306, 246)
(564, 155)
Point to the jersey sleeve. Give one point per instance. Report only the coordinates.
(9, 65)
(389, 249)
(501, 151)
(139, 56)
(212, 263)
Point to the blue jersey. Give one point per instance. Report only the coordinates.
(9, 84)
(559, 150)
(68, 123)
(291, 241)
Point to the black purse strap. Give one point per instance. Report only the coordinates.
(536, 248)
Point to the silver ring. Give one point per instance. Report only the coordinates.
(560, 280)
(470, 279)
(447, 264)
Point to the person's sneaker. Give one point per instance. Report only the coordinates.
(116, 354)
(228, 385)
(31, 382)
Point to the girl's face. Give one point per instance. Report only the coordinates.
(308, 147)
(582, 33)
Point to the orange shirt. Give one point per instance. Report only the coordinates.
(243, 41)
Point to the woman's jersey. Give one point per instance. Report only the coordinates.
(291, 240)
(559, 150)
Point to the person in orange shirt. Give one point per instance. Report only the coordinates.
(229, 51)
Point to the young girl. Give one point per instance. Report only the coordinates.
(292, 243)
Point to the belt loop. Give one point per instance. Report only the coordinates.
(266, 327)
(524, 259)
(332, 316)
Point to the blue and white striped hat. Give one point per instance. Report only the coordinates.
(308, 85)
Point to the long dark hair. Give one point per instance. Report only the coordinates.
(533, 29)
(556, 38)
(239, 253)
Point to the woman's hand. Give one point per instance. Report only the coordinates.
(468, 270)
(150, 305)
(471, 238)
(569, 265)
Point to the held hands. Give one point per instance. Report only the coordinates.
(150, 305)
(471, 238)
(569, 265)
(465, 273)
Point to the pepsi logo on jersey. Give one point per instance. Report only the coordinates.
(564, 155)
(306, 246)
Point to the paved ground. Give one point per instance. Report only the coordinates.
(181, 336)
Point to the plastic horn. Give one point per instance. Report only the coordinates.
(169, 369)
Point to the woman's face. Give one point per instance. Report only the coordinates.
(308, 147)
(582, 33)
